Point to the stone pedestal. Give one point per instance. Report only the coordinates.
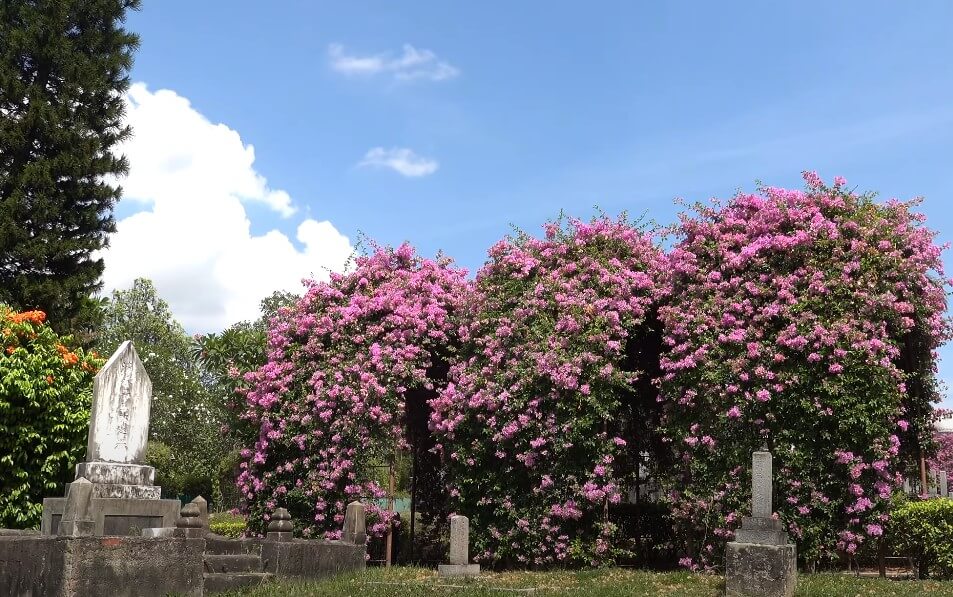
(450, 570)
(754, 570)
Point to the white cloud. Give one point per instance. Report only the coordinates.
(193, 238)
(410, 65)
(400, 159)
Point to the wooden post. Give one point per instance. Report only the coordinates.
(882, 557)
(413, 502)
(390, 509)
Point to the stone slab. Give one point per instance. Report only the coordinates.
(458, 570)
(459, 540)
(115, 516)
(762, 479)
(761, 537)
(119, 419)
(303, 558)
(760, 570)
(157, 532)
(761, 524)
(127, 492)
(44, 566)
(113, 473)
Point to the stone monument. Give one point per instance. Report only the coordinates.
(355, 530)
(123, 495)
(459, 550)
(760, 562)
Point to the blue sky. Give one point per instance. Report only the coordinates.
(516, 110)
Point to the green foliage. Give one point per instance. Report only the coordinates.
(64, 66)
(227, 524)
(45, 393)
(186, 417)
(923, 530)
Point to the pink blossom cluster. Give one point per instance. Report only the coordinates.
(807, 322)
(532, 424)
(329, 403)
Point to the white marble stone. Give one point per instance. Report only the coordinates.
(122, 398)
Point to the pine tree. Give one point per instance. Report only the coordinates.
(64, 67)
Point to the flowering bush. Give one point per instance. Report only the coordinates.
(45, 393)
(535, 426)
(330, 401)
(806, 322)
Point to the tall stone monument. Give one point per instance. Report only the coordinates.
(124, 496)
(760, 562)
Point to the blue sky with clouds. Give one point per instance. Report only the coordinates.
(443, 123)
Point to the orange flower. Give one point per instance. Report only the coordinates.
(10, 349)
(49, 380)
(70, 358)
(36, 317)
(62, 349)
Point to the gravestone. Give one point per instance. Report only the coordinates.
(459, 550)
(355, 530)
(942, 482)
(760, 562)
(124, 497)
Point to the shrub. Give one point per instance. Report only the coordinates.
(227, 524)
(330, 403)
(536, 424)
(806, 322)
(923, 531)
(45, 393)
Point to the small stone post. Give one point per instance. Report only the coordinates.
(760, 562)
(189, 522)
(355, 530)
(459, 550)
(280, 527)
(202, 505)
(77, 518)
(944, 486)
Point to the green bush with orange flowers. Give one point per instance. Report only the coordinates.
(45, 392)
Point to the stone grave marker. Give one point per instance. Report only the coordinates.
(942, 482)
(459, 550)
(355, 530)
(124, 496)
(760, 562)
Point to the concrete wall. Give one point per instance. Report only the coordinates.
(311, 559)
(100, 567)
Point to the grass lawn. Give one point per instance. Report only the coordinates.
(610, 583)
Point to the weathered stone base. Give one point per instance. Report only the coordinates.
(753, 570)
(311, 558)
(450, 570)
(114, 473)
(100, 566)
(113, 516)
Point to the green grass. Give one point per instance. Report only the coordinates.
(413, 582)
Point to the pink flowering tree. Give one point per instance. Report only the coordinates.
(330, 402)
(807, 322)
(536, 423)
